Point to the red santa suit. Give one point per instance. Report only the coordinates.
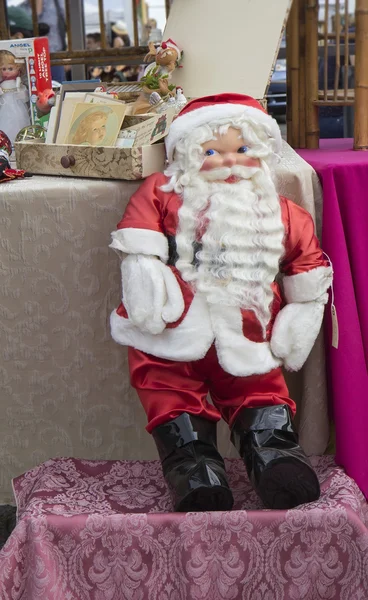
(213, 347)
(202, 310)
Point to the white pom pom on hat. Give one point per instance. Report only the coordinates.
(213, 108)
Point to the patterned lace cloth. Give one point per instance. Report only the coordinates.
(101, 530)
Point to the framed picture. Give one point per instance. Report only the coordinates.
(95, 125)
(76, 86)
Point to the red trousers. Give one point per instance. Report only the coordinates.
(168, 388)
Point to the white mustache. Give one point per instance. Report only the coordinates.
(223, 173)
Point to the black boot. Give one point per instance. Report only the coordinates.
(192, 466)
(277, 467)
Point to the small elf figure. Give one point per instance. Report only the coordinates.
(14, 114)
(156, 76)
(6, 172)
(166, 57)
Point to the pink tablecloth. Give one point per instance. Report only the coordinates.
(344, 177)
(100, 531)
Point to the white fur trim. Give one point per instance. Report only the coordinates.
(189, 341)
(308, 286)
(238, 355)
(140, 241)
(151, 293)
(295, 331)
(186, 123)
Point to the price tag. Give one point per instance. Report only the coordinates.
(335, 327)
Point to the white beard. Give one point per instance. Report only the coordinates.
(243, 240)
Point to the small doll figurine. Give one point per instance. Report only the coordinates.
(6, 172)
(156, 76)
(166, 58)
(14, 114)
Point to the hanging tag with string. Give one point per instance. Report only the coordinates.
(334, 319)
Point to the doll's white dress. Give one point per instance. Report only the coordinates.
(14, 114)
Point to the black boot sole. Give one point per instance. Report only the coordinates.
(287, 483)
(207, 499)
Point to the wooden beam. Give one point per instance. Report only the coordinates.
(101, 13)
(135, 23)
(126, 52)
(68, 25)
(361, 76)
(337, 65)
(293, 67)
(34, 17)
(4, 32)
(302, 110)
(311, 70)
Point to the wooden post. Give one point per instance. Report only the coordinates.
(34, 17)
(101, 13)
(361, 76)
(311, 70)
(68, 25)
(325, 51)
(135, 23)
(302, 109)
(346, 50)
(4, 33)
(337, 66)
(292, 66)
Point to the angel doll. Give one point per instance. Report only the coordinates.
(14, 114)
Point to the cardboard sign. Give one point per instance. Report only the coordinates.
(228, 46)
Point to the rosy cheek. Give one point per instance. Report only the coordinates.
(211, 162)
(247, 161)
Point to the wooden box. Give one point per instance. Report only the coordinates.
(88, 161)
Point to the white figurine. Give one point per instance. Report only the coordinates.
(180, 99)
(14, 113)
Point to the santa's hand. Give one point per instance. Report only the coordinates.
(151, 294)
(295, 330)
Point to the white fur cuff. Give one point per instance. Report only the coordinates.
(140, 241)
(295, 331)
(308, 286)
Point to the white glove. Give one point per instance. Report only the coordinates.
(295, 330)
(151, 294)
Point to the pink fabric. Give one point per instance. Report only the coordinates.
(344, 177)
(99, 530)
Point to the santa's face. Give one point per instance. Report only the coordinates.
(227, 150)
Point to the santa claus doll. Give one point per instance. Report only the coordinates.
(203, 311)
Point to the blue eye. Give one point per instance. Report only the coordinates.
(209, 152)
(242, 149)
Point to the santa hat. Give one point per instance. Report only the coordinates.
(170, 44)
(213, 108)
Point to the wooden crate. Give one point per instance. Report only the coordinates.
(87, 161)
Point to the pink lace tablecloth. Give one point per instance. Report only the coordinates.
(100, 530)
